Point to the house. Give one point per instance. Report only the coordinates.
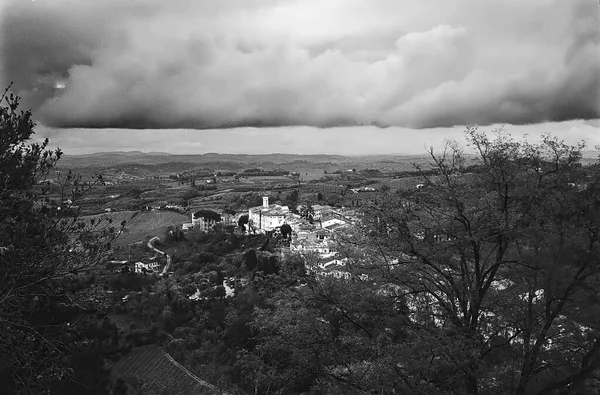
(334, 268)
(312, 244)
(203, 221)
(335, 227)
(331, 220)
(140, 267)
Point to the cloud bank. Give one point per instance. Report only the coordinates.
(150, 64)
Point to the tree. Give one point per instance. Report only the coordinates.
(135, 193)
(327, 336)
(286, 231)
(251, 259)
(307, 212)
(484, 281)
(174, 234)
(498, 261)
(242, 222)
(120, 387)
(42, 250)
(207, 215)
(268, 264)
(291, 200)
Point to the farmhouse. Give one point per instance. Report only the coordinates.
(141, 267)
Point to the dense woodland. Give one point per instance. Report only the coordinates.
(483, 281)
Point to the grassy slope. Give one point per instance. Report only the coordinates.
(139, 225)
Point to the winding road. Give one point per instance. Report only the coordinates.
(151, 246)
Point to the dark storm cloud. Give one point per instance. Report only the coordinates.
(38, 47)
(221, 64)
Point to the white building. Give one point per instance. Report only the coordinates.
(334, 268)
(140, 267)
(329, 222)
(267, 217)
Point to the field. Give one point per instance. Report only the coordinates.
(140, 225)
(406, 183)
(310, 174)
(157, 370)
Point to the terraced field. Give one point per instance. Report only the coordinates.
(138, 224)
(160, 373)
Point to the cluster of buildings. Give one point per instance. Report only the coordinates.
(153, 266)
(312, 233)
(206, 223)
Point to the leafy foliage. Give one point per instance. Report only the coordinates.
(43, 248)
(483, 281)
(207, 214)
(286, 231)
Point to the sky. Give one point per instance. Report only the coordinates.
(300, 76)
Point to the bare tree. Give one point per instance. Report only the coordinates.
(497, 258)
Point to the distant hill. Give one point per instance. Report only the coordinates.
(104, 160)
(108, 159)
(152, 163)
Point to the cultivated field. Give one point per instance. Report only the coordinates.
(310, 174)
(140, 225)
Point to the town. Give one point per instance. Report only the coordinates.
(309, 203)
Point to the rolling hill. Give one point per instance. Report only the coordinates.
(139, 225)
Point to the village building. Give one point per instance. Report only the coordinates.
(329, 221)
(310, 239)
(320, 211)
(331, 267)
(140, 267)
(360, 197)
(203, 223)
(267, 217)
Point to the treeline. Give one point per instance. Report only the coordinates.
(275, 187)
(263, 173)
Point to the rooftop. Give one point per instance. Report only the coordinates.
(273, 209)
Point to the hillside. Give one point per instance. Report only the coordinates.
(139, 225)
(137, 157)
(158, 372)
